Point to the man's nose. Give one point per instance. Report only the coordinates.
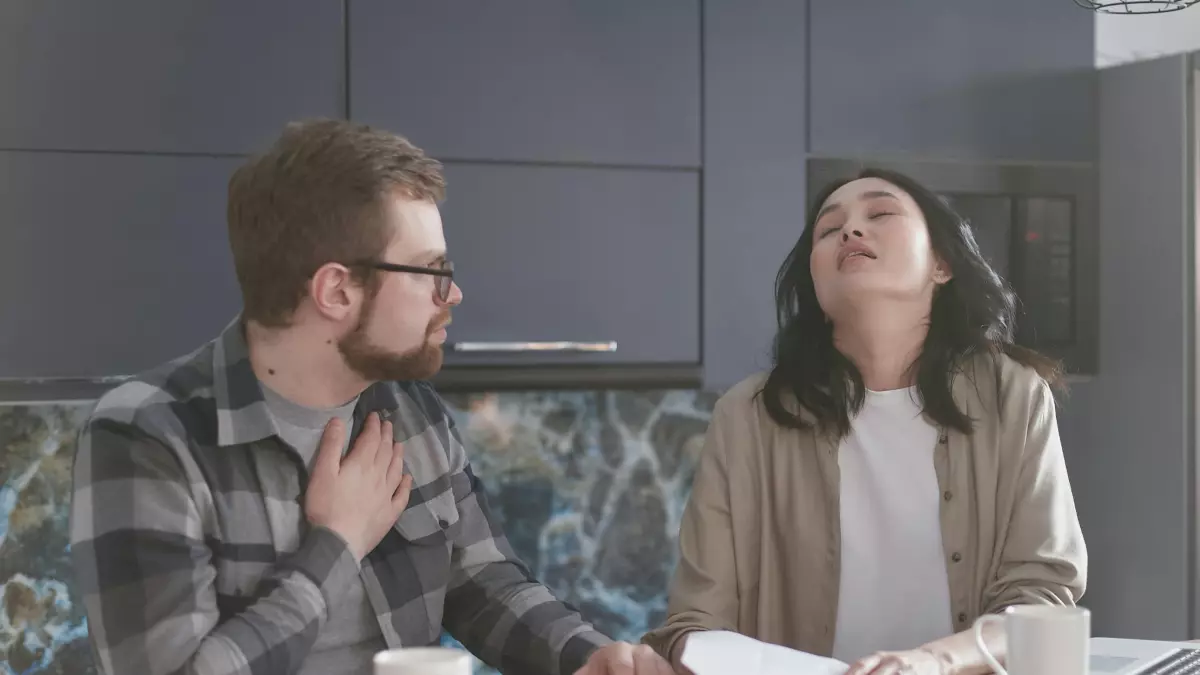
(456, 294)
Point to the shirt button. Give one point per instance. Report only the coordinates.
(956, 557)
(947, 495)
(443, 523)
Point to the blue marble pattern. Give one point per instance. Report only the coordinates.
(41, 629)
(590, 487)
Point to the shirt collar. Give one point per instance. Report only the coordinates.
(242, 412)
(242, 415)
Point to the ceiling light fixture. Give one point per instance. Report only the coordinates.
(1135, 6)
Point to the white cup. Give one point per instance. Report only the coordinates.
(1042, 640)
(423, 661)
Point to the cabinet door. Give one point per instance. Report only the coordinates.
(589, 255)
(754, 185)
(198, 76)
(978, 80)
(110, 263)
(613, 82)
(1129, 433)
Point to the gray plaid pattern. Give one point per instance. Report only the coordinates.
(193, 555)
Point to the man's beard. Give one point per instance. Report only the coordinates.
(376, 364)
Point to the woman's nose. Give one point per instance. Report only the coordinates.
(846, 235)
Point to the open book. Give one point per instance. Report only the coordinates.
(722, 652)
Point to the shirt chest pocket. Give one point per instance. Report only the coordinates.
(413, 565)
(431, 517)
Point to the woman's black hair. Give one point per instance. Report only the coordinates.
(973, 313)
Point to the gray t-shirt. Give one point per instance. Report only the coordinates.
(351, 636)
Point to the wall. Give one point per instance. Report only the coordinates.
(1124, 39)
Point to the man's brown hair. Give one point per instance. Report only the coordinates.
(316, 196)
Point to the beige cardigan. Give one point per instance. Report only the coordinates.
(760, 538)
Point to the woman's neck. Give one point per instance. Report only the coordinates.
(883, 343)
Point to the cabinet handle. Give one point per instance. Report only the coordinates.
(99, 379)
(535, 346)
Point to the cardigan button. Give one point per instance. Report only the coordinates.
(956, 557)
(962, 617)
(947, 495)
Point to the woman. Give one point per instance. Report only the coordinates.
(898, 472)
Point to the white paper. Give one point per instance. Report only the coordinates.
(723, 652)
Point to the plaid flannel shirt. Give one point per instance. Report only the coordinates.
(188, 564)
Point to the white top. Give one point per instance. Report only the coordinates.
(894, 593)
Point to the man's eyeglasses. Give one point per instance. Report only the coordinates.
(443, 273)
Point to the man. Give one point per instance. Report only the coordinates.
(292, 497)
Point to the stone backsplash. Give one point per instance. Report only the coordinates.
(590, 487)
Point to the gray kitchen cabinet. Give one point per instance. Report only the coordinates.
(194, 76)
(576, 81)
(574, 254)
(754, 175)
(974, 80)
(1130, 432)
(110, 263)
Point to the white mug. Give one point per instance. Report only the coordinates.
(1042, 640)
(423, 661)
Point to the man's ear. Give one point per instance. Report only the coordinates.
(333, 291)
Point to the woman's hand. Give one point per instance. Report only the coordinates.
(912, 662)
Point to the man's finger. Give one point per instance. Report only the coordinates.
(367, 443)
(384, 453)
(401, 496)
(395, 470)
(329, 451)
